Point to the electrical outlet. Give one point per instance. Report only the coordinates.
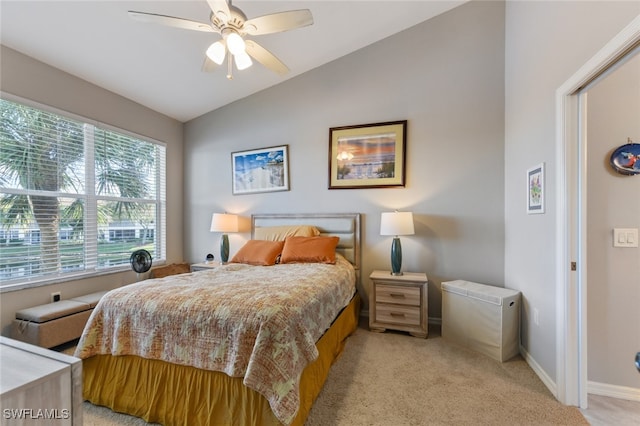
(55, 297)
(536, 317)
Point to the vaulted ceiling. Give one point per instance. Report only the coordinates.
(160, 67)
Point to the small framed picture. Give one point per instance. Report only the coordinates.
(535, 189)
(260, 170)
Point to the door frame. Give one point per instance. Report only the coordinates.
(571, 301)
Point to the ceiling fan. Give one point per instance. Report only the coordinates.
(232, 24)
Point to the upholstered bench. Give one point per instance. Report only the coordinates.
(54, 323)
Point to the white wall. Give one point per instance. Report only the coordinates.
(30, 79)
(445, 76)
(613, 284)
(546, 43)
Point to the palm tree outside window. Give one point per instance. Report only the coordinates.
(75, 197)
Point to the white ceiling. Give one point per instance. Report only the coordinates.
(160, 67)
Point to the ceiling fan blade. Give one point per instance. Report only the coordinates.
(171, 21)
(265, 57)
(219, 8)
(277, 22)
(208, 65)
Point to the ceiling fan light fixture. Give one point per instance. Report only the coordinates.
(243, 61)
(235, 43)
(216, 52)
(232, 25)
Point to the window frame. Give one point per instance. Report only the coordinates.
(91, 196)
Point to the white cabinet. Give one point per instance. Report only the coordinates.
(39, 386)
(481, 317)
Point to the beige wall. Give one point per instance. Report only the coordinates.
(25, 77)
(546, 43)
(444, 76)
(613, 274)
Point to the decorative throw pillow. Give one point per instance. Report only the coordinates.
(309, 250)
(259, 253)
(280, 233)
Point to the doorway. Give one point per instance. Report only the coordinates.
(571, 274)
(612, 282)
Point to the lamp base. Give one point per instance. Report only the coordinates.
(395, 274)
(224, 248)
(396, 257)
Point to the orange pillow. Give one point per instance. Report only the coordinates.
(259, 253)
(309, 250)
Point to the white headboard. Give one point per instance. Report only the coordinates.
(346, 226)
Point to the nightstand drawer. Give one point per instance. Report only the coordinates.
(391, 314)
(398, 294)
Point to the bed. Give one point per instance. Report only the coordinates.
(185, 349)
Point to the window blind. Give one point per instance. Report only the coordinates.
(75, 197)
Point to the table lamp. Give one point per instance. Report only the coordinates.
(396, 224)
(223, 222)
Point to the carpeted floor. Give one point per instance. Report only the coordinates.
(395, 379)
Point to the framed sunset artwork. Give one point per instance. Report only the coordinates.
(367, 155)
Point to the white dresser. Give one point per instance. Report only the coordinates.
(38, 386)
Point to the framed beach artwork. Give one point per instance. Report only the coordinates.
(367, 155)
(535, 189)
(260, 170)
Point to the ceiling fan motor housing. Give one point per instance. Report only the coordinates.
(222, 23)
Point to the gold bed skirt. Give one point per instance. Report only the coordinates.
(173, 394)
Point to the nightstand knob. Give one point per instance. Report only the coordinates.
(397, 295)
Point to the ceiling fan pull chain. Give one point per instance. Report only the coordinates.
(229, 68)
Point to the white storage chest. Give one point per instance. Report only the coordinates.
(481, 317)
(39, 386)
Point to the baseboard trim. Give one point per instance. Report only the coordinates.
(613, 391)
(595, 388)
(544, 377)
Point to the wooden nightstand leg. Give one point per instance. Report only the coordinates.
(377, 329)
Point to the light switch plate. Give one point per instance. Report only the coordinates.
(625, 237)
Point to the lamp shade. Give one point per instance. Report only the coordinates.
(235, 43)
(243, 61)
(396, 223)
(216, 52)
(223, 222)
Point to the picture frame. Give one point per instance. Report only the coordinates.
(535, 189)
(260, 170)
(367, 155)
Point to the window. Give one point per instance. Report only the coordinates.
(76, 197)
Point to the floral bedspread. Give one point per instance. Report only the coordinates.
(256, 322)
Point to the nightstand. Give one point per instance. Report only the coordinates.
(399, 302)
(204, 266)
